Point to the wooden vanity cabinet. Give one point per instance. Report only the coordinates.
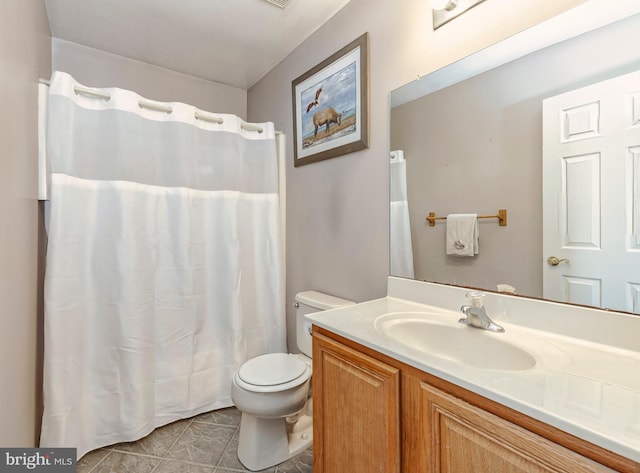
(459, 437)
(356, 399)
(373, 413)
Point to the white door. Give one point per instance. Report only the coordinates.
(591, 195)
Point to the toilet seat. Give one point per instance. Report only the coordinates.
(272, 372)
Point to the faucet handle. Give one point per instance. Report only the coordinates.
(476, 298)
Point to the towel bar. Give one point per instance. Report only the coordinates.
(502, 218)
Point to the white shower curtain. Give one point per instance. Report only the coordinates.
(164, 267)
(401, 249)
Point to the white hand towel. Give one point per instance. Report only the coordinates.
(462, 234)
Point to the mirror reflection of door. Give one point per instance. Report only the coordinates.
(591, 173)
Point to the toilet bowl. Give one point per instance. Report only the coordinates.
(266, 438)
(273, 393)
(272, 386)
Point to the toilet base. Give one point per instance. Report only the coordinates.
(266, 442)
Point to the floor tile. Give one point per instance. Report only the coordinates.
(228, 416)
(302, 463)
(176, 466)
(117, 462)
(207, 443)
(202, 443)
(158, 442)
(91, 459)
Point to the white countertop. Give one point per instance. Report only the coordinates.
(585, 388)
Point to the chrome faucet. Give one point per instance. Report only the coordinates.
(476, 316)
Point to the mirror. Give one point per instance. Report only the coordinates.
(468, 139)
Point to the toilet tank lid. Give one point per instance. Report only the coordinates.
(319, 300)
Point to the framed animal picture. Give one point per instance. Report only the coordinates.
(330, 106)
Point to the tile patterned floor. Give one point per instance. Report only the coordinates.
(203, 444)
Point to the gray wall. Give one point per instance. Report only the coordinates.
(96, 68)
(476, 147)
(25, 55)
(337, 210)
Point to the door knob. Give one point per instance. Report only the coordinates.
(553, 261)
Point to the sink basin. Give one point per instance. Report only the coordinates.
(459, 343)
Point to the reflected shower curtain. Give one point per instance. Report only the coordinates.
(164, 267)
(401, 249)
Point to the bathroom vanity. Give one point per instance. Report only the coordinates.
(400, 385)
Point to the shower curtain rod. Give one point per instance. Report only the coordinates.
(160, 107)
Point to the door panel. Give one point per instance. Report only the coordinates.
(581, 202)
(591, 194)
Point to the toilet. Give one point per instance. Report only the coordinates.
(273, 393)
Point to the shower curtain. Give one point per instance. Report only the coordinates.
(401, 249)
(164, 262)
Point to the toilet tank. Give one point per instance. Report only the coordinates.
(308, 302)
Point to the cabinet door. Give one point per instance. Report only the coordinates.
(355, 409)
(460, 437)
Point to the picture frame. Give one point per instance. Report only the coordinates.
(331, 105)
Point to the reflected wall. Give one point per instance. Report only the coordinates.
(476, 147)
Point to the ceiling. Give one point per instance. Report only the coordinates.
(233, 42)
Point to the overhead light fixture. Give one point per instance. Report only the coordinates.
(446, 10)
(279, 3)
(443, 4)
